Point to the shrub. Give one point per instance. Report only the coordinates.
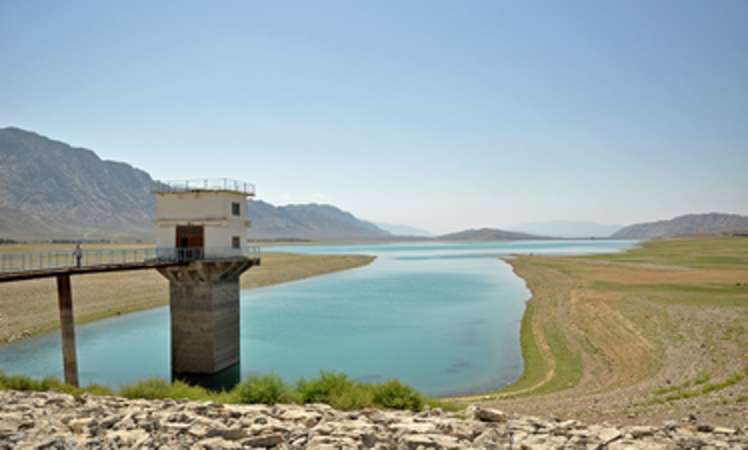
(154, 388)
(98, 389)
(359, 396)
(324, 389)
(335, 389)
(265, 389)
(394, 395)
(19, 383)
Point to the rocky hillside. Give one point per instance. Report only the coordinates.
(49, 420)
(50, 190)
(690, 224)
(312, 221)
(489, 234)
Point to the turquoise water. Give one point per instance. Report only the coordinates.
(442, 317)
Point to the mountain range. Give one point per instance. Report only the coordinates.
(50, 190)
(568, 229)
(689, 224)
(489, 234)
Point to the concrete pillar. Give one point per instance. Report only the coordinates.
(67, 325)
(204, 305)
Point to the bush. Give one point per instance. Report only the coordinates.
(19, 383)
(265, 389)
(394, 395)
(324, 389)
(358, 397)
(98, 389)
(24, 383)
(157, 388)
(151, 389)
(332, 388)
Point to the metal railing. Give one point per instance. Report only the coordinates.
(90, 258)
(205, 184)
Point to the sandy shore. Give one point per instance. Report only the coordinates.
(28, 308)
(653, 334)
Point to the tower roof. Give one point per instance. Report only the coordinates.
(204, 185)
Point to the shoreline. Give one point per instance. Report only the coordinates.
(622, 337)
(103, 296)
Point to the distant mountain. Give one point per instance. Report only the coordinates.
(568, 228)
(312, 221)
(403, 230)
(50, 190)
(489, 234)
(710, 223)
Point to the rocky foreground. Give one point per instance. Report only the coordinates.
(50, 420)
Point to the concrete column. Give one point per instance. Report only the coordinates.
(67, 325)
(204, 306)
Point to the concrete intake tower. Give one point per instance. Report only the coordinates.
(204, 224)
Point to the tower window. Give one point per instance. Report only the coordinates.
(236, 242)
(236, 208)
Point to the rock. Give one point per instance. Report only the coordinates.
(641, 431)
(489, 415)
(217, 443)
(413, 427)
(129, 438)
(80, 425)
(263, 440)
(50, 420)
(608, 435)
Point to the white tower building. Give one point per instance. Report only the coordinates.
(203, 218)
(204, 223)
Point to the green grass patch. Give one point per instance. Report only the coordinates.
(695, 388)
(568, 370)
(266, 389)
(705, 252)
(335, 389)
(535, 366)
(24, 383)
(568, 364)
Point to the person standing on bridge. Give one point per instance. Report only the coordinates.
(78, 254)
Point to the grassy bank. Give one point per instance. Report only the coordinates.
(29, 308)
(332, 388)
(620, 329)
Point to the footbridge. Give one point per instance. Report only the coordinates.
(228, 262)
(201, 249)
(18, 266)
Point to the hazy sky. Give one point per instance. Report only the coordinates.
(442, 115)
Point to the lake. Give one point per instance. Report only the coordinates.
(443, 317)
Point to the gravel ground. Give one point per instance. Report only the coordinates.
(59, 421)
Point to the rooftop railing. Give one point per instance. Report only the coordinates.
(91, 258)
(205, 184)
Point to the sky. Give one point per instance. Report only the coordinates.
(442, 115)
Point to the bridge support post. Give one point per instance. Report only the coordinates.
(204, 307)
(67, 326)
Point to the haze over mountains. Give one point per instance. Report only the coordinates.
(50, 190)
(403, 230)
(568, 228)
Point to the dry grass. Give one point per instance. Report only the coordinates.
(30, 307)
(605, 335)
